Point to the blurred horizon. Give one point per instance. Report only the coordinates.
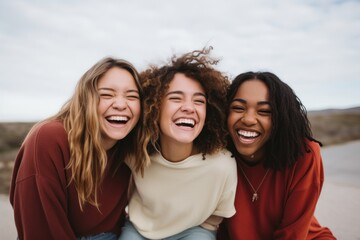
(310, 113)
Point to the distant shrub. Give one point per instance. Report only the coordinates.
(336, 126)
(12, 134)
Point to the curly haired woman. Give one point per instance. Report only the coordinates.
(69, 178)
(190, 184)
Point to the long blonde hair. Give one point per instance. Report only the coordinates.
(88, 159)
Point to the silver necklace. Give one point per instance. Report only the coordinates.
(255, 195)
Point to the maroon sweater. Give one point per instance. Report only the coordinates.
(45, 207)
(286, 204)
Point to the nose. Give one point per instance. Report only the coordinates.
(249, 118)
(187, 106)
(119, 103)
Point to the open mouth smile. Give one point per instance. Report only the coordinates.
(117, 119)
(247, 137)
(248, 134)
(185, 122)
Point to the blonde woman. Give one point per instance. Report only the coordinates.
(69, 178)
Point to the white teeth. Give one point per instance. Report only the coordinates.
(185, 121)
(248, 134)
(118, 118)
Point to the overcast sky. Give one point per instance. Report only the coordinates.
(46, 45)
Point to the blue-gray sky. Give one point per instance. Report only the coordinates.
(46, 45)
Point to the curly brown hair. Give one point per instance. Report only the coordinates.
(198, 66)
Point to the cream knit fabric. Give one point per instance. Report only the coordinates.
(172, 197)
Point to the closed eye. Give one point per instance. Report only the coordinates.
(200, 101)
(265, 112)
(133, 97)
(106, 95)
(237, 108)
(175, 99)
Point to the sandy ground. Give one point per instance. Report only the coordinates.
(339, 204)
(338, 207)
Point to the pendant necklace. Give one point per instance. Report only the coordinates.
(255, 195)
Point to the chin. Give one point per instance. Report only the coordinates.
(185, 141)
(246, 154)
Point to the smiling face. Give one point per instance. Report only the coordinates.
(119, 105)
(182, 112)
(249, 120)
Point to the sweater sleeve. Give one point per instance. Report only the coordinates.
(305, 180)
(38, 191)
(226, 206)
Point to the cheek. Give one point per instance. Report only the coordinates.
(268, 124)
(101, 108)
(231, 120)
(202, 114)
(267, 128)
(201, 111)
(165, 116)
(104, 105)
(135, 109)
(167, 111)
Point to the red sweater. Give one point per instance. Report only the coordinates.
(45, 207)
(286, 204)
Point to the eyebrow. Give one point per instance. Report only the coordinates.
(182, 93)
(113, 90)
(244, 101)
